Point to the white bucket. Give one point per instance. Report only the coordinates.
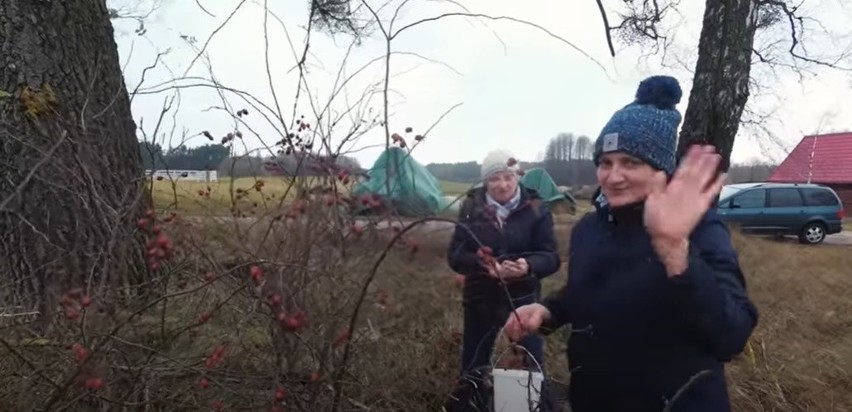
(515, 390)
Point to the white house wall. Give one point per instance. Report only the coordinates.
(190, 175)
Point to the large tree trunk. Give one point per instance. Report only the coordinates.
(71, 184)
(720, 86)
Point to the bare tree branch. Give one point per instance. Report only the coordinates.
(213, 34)
(500, 18)
(796, 27)
(198, 2)
(607, 28)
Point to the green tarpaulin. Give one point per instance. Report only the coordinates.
(537, 178)
(410, 188)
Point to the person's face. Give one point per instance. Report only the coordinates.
(625, 179)
(502, 186)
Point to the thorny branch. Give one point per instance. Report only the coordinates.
(338, 389)
(212, 35)
(671, 403)
(390, 35)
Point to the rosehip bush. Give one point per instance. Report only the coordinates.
(252, 314)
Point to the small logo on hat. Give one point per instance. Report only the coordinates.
(610, 142)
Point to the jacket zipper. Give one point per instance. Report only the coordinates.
(503, 241)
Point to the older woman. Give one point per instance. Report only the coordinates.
(515, 227)
(655, 296)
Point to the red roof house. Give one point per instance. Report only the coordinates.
(824, 159)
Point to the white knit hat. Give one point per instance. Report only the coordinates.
(498, 161)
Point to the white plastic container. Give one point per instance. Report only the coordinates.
(515, 390)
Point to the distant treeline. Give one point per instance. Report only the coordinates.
(580, 172)
(217, 157)
(567, 160)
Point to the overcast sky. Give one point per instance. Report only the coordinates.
(517, 85)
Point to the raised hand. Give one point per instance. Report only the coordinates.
(673, 210)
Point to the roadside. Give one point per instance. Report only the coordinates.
(843, 238)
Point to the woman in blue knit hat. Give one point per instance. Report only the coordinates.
(655, 296)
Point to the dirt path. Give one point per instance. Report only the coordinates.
(843, 238)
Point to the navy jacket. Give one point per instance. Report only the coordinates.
(527, 232)
(639, 336)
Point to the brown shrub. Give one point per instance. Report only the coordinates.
(250, 314)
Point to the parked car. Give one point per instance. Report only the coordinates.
(809, 211)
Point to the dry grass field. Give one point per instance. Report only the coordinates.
(254, 314)
(217, 198)
(800, 357)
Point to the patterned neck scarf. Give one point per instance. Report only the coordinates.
(502, 211)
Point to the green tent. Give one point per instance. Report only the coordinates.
(537, 178)
(407, 185)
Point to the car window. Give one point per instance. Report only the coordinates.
(785, 197)
(751, 199)
(819, 197)
(727, 191)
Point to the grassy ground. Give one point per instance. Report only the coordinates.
(218, 197)
(801, 354)
(454, 188)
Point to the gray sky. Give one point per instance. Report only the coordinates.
(518, 86)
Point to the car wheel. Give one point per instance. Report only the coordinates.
(812, 233)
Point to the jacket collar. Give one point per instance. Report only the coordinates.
(631, 214)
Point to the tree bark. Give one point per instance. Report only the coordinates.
(72, 181)
(720, 86)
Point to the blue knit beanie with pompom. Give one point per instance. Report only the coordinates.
(647, 128)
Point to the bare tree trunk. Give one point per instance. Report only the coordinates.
(71, 186)
(720, 86)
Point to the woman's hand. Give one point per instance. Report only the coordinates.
(673, 210)
(511, 269)
(528, 320)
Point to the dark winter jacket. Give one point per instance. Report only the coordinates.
(637, 335)
(527, 232)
